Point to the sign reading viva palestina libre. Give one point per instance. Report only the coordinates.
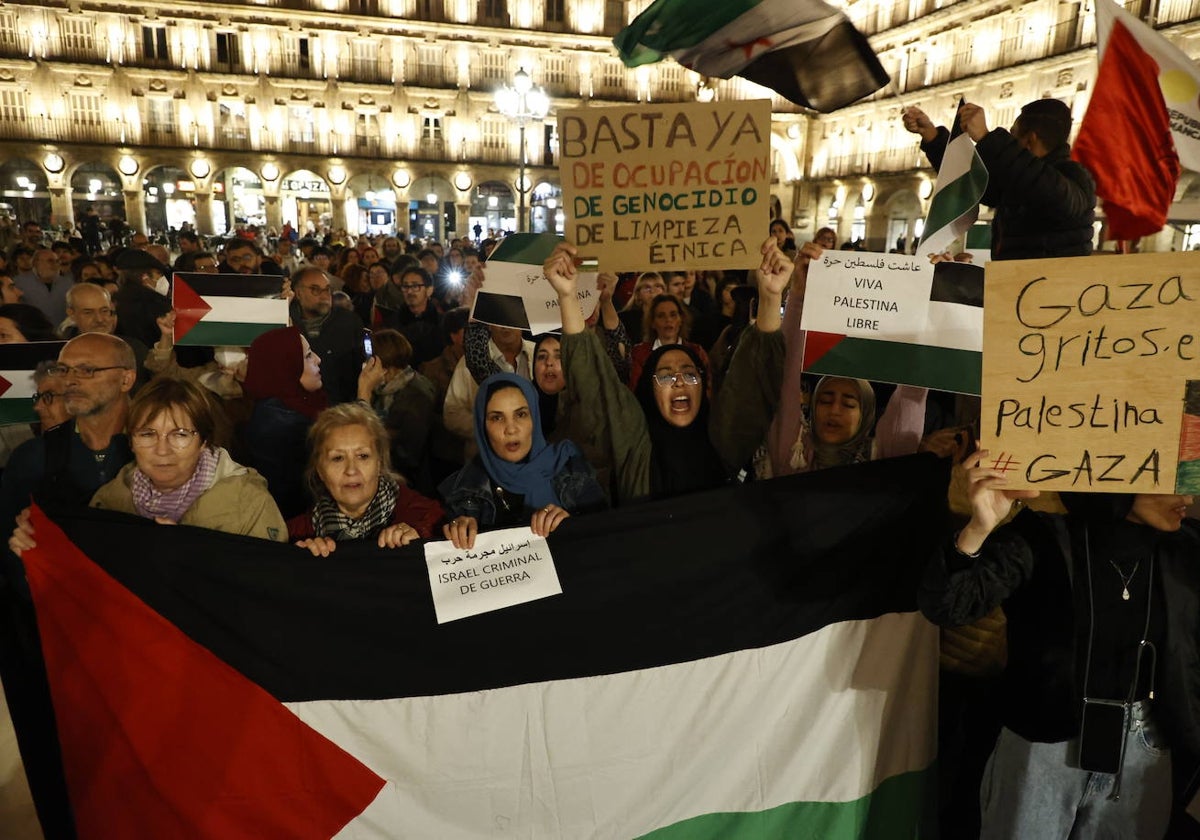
(667, 186)
(1091, 373)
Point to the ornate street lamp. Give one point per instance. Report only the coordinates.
(524, 103)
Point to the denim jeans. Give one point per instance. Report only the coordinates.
(1034, 791)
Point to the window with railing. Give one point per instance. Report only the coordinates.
(84, 107)
(364, 63)
(493, 11)
(493, 139)
(12, 105)
(363, 7)
(228, 52)
(160, 119)
(554, 73)
(231, 121)
(613, 77)
(154, 46)
(10, 41)
(432, 142)
(670, 85)
(301, 124)
(77, 35)
(430, 10)
(296, 56)
(494, 67)
(366, 134)
(430, 65)
(556, 13)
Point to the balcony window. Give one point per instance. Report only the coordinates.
(154, 45)
(366, 134)
(78, 36)
(84, 107)
(12, 105)
(301, 124)
(493, 11)
(229, 54)
(556, 12)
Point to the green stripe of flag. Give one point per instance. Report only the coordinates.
(956, 200)
(217, 333)
(17, 410)
(668, 25)
(890, 811)
(525, 248)
(943, 368)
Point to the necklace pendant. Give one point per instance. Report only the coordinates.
(1125, 594)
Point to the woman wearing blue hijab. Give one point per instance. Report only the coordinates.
(517, 478)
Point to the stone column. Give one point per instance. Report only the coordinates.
(205, 226)
(62, 211)
(135, 210)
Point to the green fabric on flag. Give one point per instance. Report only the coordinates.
(17, 410)
(223, 333)
(890, 811)
(943, 368)
(668, 25)
(526, 248)
(961, 182)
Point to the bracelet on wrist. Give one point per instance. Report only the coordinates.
(960, 551)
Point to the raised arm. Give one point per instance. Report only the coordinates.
(608, 412)
(902, 424)
(750, 393)
(789, 419)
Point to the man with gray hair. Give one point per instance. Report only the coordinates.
(44, 287)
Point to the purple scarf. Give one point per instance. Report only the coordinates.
(173, 504)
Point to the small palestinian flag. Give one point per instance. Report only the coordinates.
(226, 309)
(516, 292)
(947, 354)
(17, 363)
(961, 182)
(805, 50)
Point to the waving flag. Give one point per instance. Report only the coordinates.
(765, 677)
(805, 50)
(1142, 122)
(961, 182)
(516, 293)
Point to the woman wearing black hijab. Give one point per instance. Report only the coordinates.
(663, 440)
(1103, 674)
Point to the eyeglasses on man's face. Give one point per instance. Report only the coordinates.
(81, 371)
(318, 291)
(47, 397)
(176, 438)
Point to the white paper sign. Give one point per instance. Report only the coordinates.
(882, 296)
(505, 568)
(541, 301)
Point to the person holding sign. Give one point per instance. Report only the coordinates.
(1103, 609)
(662, 439)
(356, 494)
(517, 477)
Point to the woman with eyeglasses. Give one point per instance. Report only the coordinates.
(666, 439)
(179, 476)
(517, 478)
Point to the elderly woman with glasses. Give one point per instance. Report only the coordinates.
(179, 476)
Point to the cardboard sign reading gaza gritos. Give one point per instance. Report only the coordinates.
(667, 186)
(1091, 373)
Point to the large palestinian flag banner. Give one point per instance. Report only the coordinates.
(742, 663)
(226, 309)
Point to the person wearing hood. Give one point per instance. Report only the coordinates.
(517, 477)
(283, 377)
(1102, 681)
(143, 297)
(665, 438)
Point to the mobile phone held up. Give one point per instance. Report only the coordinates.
(368, 346)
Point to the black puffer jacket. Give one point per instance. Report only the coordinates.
(1044, 207)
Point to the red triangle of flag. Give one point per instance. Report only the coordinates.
(189, 307)
(159, 737)
(817, 344)
(4, 385)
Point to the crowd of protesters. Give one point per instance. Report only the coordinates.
(679, 381)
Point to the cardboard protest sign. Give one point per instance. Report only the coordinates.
(667, 186)
(517, 294)
(1091, 373)
(226, 309)
(894, 318)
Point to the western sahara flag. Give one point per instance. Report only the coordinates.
(17, 363)
(1142, 122)
(226, 309)
(946, 353)
(805, 50)
(961, 182)
(743, 663)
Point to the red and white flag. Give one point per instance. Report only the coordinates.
(1142, 123)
